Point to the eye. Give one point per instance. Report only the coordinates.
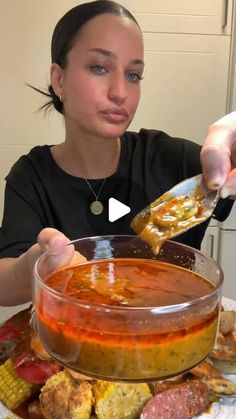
(134, 77)
(98, 69)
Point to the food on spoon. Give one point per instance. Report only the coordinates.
(181, 401)
(63, 397)
(119, 401)
(167, 217)
(177, 210)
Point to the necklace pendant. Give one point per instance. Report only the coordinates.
(96, 207)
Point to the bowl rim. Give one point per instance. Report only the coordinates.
(161, 310)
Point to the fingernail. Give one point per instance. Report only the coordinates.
(214, 179)
(57, 239)
(56, 243)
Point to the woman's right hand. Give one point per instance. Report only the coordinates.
(218, 155)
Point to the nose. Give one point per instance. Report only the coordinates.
(118, 89)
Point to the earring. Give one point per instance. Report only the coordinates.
(60, 97)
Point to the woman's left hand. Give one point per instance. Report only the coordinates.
(218, 156)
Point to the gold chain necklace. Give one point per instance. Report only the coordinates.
(96, 206)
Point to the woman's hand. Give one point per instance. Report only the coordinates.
(52, 241)
(56, 243)
(218, 155)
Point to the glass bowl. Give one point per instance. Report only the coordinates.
(126, 314)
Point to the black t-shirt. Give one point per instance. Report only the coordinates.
(39, 194)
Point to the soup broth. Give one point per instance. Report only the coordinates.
(92, 333)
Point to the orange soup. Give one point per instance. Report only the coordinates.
(116, 322)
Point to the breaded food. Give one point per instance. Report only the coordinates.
(227, 321)
(119, 401)
(62, 397)
(224, 349)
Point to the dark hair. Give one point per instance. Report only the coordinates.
(66, 31)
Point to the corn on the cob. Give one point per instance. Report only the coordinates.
(13, 389)
(119, 401)
(63, 397)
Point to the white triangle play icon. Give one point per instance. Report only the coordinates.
(116, 209)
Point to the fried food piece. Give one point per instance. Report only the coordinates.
(119, 401)
(227, 321)
(34, 408)
(224, 349)
(206, 369)
(223, 354)
(62, 397)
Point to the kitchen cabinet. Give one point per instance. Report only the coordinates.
(185, 83)
(187, 55)
(227, 260)
(227, 253)
(183, 16)
(211, 241)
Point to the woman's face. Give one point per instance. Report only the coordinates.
(100, 85)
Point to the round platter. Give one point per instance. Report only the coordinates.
(225, 409)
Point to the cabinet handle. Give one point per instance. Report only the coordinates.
(211, 245)
(224, 13)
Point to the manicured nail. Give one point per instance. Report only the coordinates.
(214, 179)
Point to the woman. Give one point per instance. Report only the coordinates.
(61, 192)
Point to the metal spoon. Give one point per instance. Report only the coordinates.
(185, 205)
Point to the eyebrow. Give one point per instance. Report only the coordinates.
(112, 55)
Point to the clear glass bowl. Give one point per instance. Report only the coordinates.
(111, 336)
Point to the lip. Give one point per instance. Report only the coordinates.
(115, 115)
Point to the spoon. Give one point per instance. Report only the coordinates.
(185, 205)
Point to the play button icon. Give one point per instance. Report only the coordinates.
(116, 209)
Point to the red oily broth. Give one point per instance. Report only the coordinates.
(130, 283)
(107, 330)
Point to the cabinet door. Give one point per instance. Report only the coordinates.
(210, 242)
(227, 261)
(183, 16)
(185, 83)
